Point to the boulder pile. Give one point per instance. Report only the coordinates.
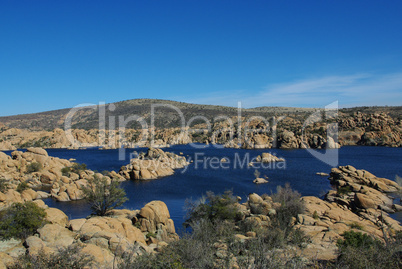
(132, 231)
(153, 164)
(268, 157)
(35, 169)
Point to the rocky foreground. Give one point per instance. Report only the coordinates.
(360, 202)
(133, 231)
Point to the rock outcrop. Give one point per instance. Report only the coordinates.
(260, 180)
(132, 231)
(153, 164)
(37, 169)
(360, 203)
(268, 157)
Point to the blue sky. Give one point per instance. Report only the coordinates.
(59, 54)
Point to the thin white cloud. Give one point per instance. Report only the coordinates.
(352, 90)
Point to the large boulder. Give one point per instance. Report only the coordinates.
(39, 151)
(55, 235)
(107, 227)
(102, 257)
(154, 217)
(56, 216)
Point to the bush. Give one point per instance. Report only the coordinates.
(359, 250)
(213, 208)
(193, 250)
(343, 190)
(22, 186)
(3, 185)
(103, 196)
(259, 253)
(21, 220)
(291, 206)
(65, 258)
(66, 171)
(34, 167)
(77, 168)
(356, 225)
(162, 260)
(355, 239)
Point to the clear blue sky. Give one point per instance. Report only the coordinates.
(58, 54)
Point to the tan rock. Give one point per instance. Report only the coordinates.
(108, 227)
(101, 256)
(260, 180)
(155, 211)
(5, 260)
(56, 216)
(76, 224)
(34, 245)
(29, 195)
(74, 193)
(62, 197)
(56, 236)
(145, 174)
(40, 204)
(255, 198)
(47, 177)
(364, 201)
(39, 151)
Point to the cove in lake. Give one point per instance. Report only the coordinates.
(193, 181)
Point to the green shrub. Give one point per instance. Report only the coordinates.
(315, 215)
(212, 207)
(3, 185)
(149, 234)
(65, 258)
(343, 190)
(356, 225)
(22, 186)
(193, 250)
(34, 167)
(260, 252)
(355, 239)
(103, 197)
(66, 171)
(77, 167)
(359, 250)
(21, 220)
(162, 260)
(291, 206)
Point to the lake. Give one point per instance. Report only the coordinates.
(193, 181)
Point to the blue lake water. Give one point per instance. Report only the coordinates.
(194, 181)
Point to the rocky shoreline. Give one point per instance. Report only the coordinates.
(65, 179)
(376, 129)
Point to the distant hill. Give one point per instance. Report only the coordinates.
(165, 117)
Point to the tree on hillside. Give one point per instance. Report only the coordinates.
(103, 196)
